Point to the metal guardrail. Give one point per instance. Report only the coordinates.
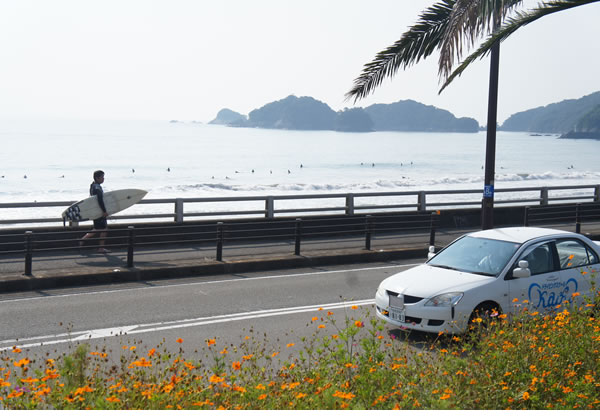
(218, 234)
(418, 200)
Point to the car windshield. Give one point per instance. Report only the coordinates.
(475, 255)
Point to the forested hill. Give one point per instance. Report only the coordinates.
(566, 117)
(307, 113)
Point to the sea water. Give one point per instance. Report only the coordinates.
(54, 161)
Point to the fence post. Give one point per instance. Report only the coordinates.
(544, 196)
(297, 234)
(219, 241)
(350, 204)
(270, 207)
(130, 243)
(526, 221)
(597, 193)
(422, 201)
(28, 252)
(368, 230)
(179, 210)
(432, 229)
(577, 218)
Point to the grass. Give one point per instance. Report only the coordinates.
(533, 361)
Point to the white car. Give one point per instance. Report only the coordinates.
(499, 270)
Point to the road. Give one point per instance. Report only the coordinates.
(271, 308)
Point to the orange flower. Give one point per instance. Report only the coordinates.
(321, 326)
(22, 362)
(290, 345)
(262, 396)
(113, 399)
(211, 342)
(275, 354)
(224, 351)
(445, 397)
(344, 395)
(314, 318)
(359, 324)
(236, 365)
(151, 352)
(179, 340)
(354, 307)
(140, 363)
(216, 379)
(329, 313)
(16, 350)
(248, 357)
(525, 395)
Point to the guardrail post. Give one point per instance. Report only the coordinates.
(422, 201)
(544, 196)
(219, 241)
(130, 244)
(350, 204)
(270, 207)
(368, 231)
(526, 219)
(179, 210)
(28, 252)
(297, 234)
(578, 218)
(597, 193)
(432, 228)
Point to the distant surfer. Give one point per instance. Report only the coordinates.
(100, 224)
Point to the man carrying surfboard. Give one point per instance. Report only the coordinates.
(100, 224)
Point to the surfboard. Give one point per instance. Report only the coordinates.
(114, 201)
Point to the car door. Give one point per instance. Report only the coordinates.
(579, 265)
(537, 291)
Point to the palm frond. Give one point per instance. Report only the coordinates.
(469, 20)
(420, 41)
(510, 26)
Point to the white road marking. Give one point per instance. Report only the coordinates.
(281, 276)
(171, 325)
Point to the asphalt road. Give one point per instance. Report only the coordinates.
(272, 309)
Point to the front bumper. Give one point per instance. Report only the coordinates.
(419, 317)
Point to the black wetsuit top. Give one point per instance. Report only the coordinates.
(96, 189)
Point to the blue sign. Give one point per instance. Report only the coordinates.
(488, 191)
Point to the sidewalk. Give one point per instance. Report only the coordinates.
(51, 269)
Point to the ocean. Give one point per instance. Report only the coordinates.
(54, 161)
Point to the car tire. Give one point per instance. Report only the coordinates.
(484, 311)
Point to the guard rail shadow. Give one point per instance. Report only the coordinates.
(566, 214)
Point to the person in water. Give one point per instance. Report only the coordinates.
(100, 224)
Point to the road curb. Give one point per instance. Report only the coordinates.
(73, 278)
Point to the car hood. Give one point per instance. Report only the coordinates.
(428, 281)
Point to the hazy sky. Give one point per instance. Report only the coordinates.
(187, 59)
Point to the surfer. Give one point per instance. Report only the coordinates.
(100, 224)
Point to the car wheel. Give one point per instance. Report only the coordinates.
(483, 313)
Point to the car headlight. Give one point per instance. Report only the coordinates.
(446, 299)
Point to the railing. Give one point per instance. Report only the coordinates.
(218, 234)
(348, 204)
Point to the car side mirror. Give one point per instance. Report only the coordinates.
(431, 253)
(523, 270)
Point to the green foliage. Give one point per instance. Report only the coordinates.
(533, 361)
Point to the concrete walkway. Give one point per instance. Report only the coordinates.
(68, 268)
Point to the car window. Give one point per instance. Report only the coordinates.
(540, 259)
(475, 255)
(573, 253)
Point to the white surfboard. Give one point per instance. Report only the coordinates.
(114, 201)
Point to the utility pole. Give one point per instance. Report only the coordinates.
(487, 204)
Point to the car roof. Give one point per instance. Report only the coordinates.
(517, 234)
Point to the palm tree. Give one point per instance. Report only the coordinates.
(446, 26)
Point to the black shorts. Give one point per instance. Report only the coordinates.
(100, 223)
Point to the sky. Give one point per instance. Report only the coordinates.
(188, 59)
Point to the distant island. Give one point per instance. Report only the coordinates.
(572, 118)
(307, 113)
